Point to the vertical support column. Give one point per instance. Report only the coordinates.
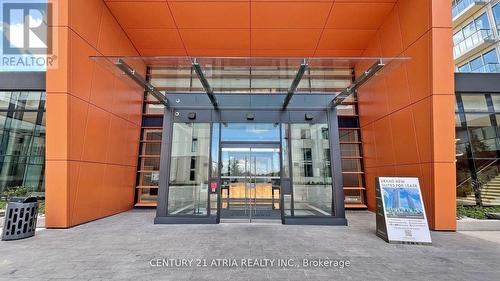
(165, 154)
(336, 164)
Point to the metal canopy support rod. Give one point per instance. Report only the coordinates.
(358, 83)
(302, 69)
(141, 81)
(204, 82)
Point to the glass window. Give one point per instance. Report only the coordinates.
(478, 120)
(150, 163)
(496, 14)
(215, 149)
(491, 57)
(148, 195)
(349, 150)
(348, 135)
(474, 102)
(497, 117)
(188, 185)
(308, 166)
(151, 149)
(351, 165)
(346, 109)
(284, 144)
(482, 135)
(248, 75)
(250, 132)
(491, 61)
(495, 98)
(305, 134)
(152, 135)
(353, 196)
(153, 108)
(22, 140)
(312, 181)
(5, 100)
(324, 133)
(476, 64)
(464, 68)
(26, 100)
(458, 123)
(469, 29)
(482, 22)
(458, 37)
(149, 178)
(352, 180)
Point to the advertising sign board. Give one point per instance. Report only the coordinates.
(401, 214)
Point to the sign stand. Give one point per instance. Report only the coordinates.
(401, 214)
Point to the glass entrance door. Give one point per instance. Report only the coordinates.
(250, 182)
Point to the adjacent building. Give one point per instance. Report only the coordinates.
(476, 38)
(478, 138)
(476, 35)
(22, 131)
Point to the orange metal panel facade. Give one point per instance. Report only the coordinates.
(94, 118)
(407, 116)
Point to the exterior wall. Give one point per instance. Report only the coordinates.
(477, 121)
(407, 115)
(93, 118)
(22, 131)
(22, 81)
(492, 33)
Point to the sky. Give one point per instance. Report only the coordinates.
(16, 35)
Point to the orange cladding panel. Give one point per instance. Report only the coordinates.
(289, 14)
(286, 28)
(407, 115)
(93, 119)
(204, 14)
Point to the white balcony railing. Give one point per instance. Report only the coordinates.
(472, 41)
(463, 5)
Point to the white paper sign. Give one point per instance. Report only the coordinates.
(403, 211)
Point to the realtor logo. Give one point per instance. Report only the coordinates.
(25, 29)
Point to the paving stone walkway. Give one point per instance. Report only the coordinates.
(129, 247)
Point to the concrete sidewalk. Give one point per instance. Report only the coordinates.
(125, 246)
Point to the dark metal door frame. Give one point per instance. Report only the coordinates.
(191, 114)
(250, 145)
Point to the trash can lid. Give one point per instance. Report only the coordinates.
(23, 199)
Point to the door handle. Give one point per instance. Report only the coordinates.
(255, 186)
(246, 185)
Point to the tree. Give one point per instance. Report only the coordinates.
(477, 186)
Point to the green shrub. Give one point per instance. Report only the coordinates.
(41, 207)
(20, 191)
(17, 191)
(475, 211)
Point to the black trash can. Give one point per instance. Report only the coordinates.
(20, 218)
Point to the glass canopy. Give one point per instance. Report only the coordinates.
(218, 75)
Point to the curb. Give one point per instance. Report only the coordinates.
(478, 225)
